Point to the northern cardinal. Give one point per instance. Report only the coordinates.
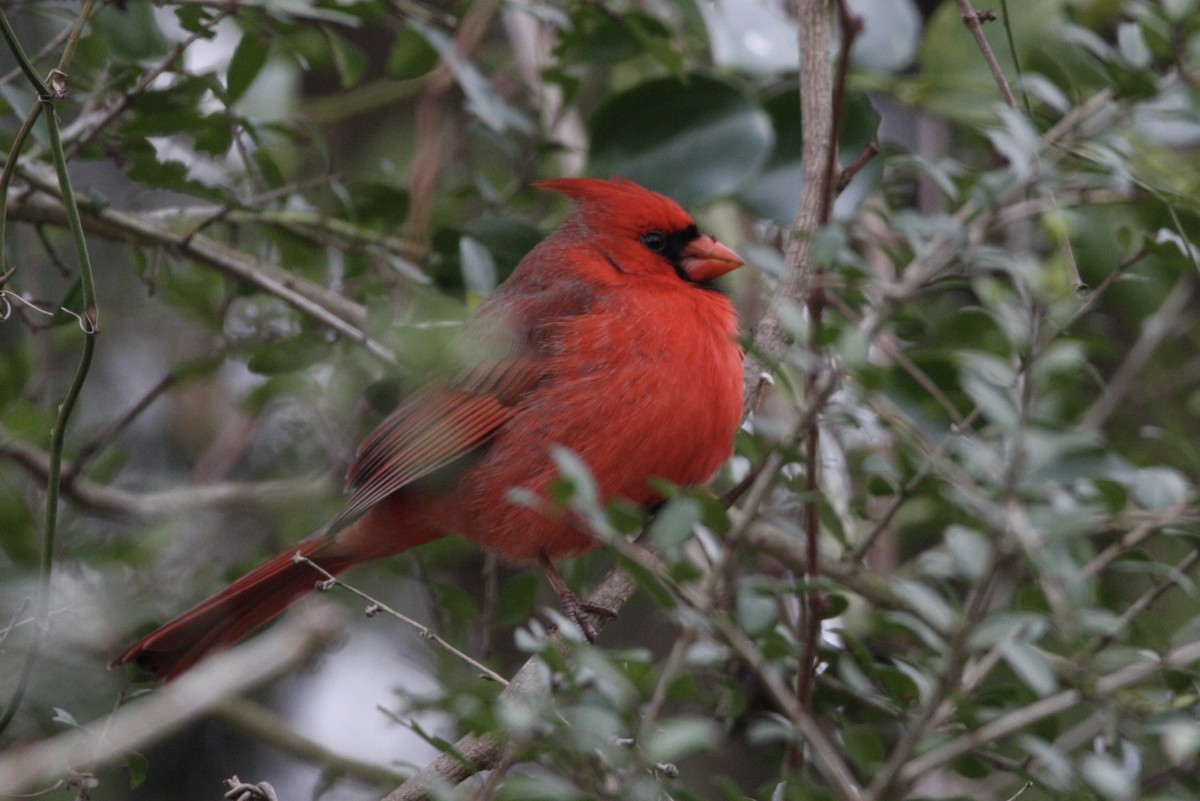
(609, 339)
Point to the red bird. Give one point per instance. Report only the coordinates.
(609, 339)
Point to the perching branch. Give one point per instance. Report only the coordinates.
(473, 753)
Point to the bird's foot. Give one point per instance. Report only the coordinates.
(575, 608)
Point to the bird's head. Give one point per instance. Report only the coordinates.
(639, 231)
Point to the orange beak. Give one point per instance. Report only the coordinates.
(705, 259)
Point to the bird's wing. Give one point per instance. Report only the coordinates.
(435, 426)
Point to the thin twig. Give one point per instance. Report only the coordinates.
(1024, 717)
(855, 167)
(376, 605)
(1156, 328)
(113, 429)
(47, 94)
(974, 21)
(321, 304)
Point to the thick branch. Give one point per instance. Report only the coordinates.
(119, 503)
(771, 335)
(153, 716)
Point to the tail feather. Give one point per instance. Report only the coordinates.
(226, 617)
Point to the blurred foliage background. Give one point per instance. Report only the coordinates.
(289, 204)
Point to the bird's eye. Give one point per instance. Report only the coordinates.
(655, 241)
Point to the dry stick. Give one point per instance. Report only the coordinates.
(1014, 722)
(377, 606)
(151, 717)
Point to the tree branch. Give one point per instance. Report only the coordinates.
(152, 717)
(772, 333)
(473, 753)
(118, 503)
(1022, 718)
(323, 305)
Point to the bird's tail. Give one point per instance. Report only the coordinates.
(226, 617)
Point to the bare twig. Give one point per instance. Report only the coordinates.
(855, 167)
(974, 21)
(378, 606)
(110, 432)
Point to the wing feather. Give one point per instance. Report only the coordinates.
(434, 427)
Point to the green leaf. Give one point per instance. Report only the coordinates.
(1108, 777)
(718, 139)
(865, 747)
(348, 59)
(63, 716)
(482, 98)
(287, 355)
(456, 602)
(478, 266)
(130, 30)
(1029, 664)
(755, 37)
(680, 736)
(411, 56)
(248, 60)
(674, 522)
(515, 600)
(138, 768)
(597, 36)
